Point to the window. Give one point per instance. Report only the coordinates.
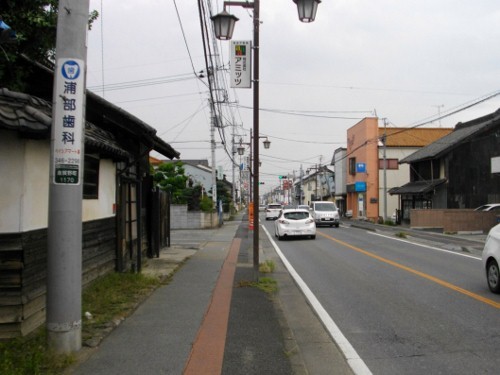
(389, 164)
(91, 177)
(352, 166)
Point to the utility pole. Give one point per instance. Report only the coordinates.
(64, 251)
(300, 184)
(385, 170)
(212, 147)
(233, 163)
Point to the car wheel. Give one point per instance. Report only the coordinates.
(493, 276)
(337, 225)
(313, 237)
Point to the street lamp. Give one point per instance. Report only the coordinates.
(307, 9)
(224, 27)
(241, 149)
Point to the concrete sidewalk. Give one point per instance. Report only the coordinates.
(168, 330)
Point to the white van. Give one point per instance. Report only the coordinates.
(325, 213)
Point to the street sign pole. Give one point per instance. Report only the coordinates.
(64, 252)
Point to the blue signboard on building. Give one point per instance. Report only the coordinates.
(360, 167)
(360, 186)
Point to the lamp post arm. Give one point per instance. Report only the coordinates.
(243, 4)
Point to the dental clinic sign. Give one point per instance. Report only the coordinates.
(68, 122)
(241, 64)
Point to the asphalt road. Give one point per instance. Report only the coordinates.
(405, 308)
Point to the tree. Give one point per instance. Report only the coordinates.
(35, 25)
(224, 195)
(171, 177)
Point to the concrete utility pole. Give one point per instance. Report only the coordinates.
(385, 169)
(64, 257)
(213, 124)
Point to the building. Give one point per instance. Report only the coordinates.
(339, 162)
(456, 171)
(373, 154)
(119, 204)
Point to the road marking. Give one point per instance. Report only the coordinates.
(426, 246)
(415, 272)
(357, 365)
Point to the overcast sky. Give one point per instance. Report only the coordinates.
(406, 61)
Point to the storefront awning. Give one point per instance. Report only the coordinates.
(417, 187)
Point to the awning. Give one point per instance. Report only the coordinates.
(417, 187)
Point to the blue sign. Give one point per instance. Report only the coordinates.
(360, 167)
(360, 186)
(70, 70)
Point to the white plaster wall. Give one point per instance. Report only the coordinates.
(103, 206)
(395, 178)
(24, 183)
(11, 181)
(35, 199)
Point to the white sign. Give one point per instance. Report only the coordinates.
(495, 164)
(241, 64)
(68, 122)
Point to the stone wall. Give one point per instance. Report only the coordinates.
(181, 218)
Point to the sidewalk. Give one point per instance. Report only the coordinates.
(206, 322)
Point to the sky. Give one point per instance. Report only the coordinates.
(408, 62)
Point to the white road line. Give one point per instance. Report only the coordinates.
(357, 365)
(426, 246)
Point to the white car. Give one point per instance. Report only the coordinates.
(295, 223)
(325, 213)
(273, 211)
(491, 259)
(489, 207)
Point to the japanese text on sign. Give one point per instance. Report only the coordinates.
(241, 64)
(68, 122)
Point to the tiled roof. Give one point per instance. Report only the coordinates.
(31, 117)
(26, 114)
(413, 137)
(417, 187)
(461, 133)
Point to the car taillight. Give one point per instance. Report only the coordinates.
(283, 221)
(309, 221)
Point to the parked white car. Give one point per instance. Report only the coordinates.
(295, 223)
(325, 213)
(273, 211)
(491, 259)
(489, 207)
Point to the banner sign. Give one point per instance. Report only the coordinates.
(68, 125)
(241, 64)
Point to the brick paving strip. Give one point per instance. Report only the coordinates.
(207, 353)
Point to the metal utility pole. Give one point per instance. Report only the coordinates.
(64, 253)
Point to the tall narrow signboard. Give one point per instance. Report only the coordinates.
(68, 123)
(241, 64)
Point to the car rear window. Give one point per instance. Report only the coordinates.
(296, 215)
(325, 207)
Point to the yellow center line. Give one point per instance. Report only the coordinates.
(415, 272)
